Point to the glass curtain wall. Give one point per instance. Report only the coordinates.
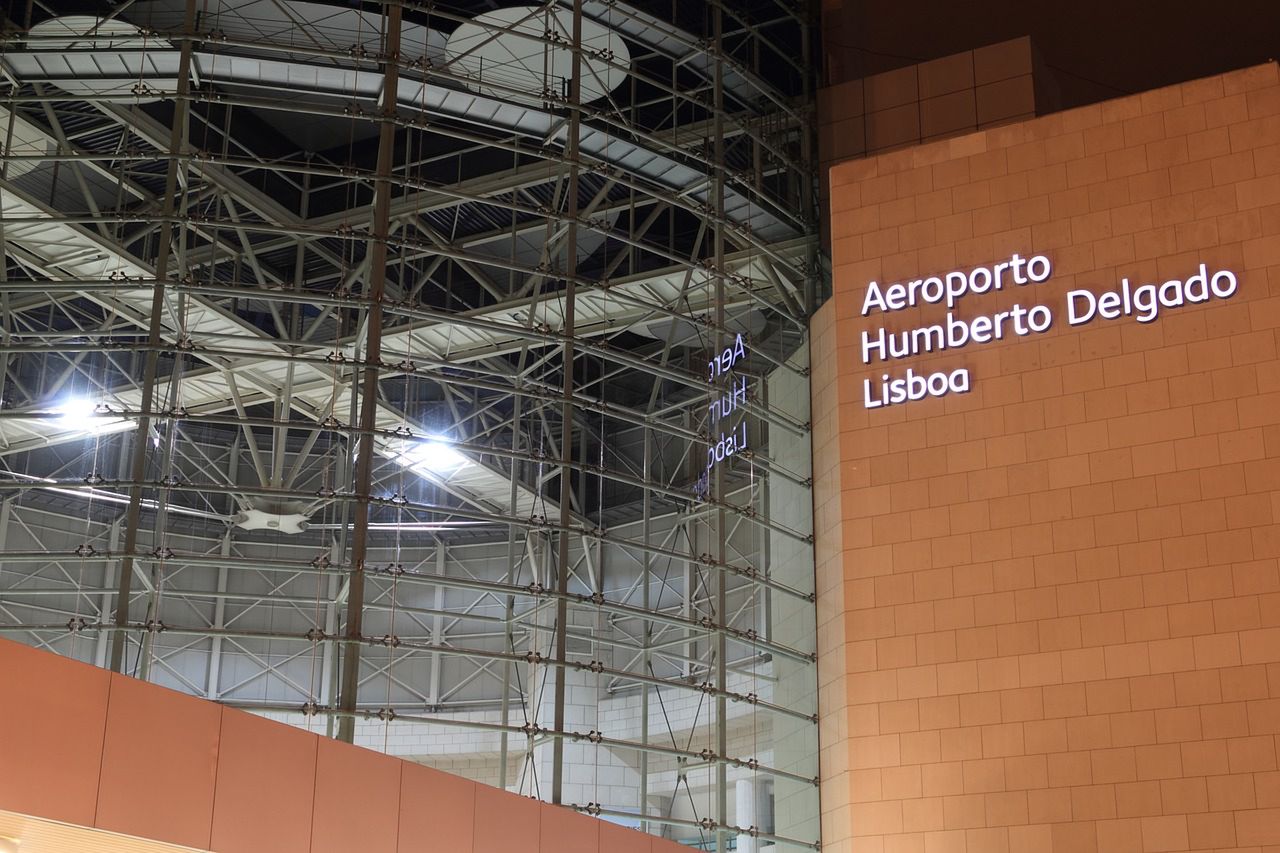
(430, 379)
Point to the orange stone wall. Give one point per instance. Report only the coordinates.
(1049, 608)
(87, 747)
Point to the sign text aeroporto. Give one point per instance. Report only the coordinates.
(1144, 303)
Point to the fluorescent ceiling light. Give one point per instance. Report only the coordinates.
(95, 418)
(436, 455)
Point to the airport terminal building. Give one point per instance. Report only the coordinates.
(615, 426)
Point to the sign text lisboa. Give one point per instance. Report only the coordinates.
(1143, 303)
(732, 401)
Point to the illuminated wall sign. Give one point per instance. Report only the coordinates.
(1143, 303)
(724, 405)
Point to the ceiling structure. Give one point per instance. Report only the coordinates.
(355, 356)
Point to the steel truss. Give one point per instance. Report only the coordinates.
(355, 385)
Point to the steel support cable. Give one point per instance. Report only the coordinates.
(369, 384)
(680, 775)
(745, 638)
(597, 811)
(292, 600)
(320, 604)
(543, 660)
(750, 574)
(391, 632)
(159, 529)
(721, 607)
(623, 544)
(86, 535)
(77, 623)
(683, 772)
(540, 732)
(645, 656)
(512, 575)
(437, 635)
(567, 366)
(176, 139)
(598, 645)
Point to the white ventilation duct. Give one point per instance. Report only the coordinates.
(105, 57)
(526, 49)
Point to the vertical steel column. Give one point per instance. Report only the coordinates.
(339, 583)
(437, 626)
(6, 314)
(721, 578)
(369, 379)
(764, 618)
(646, 636)
(177, 136)
(566, 407)
(103, 646)
(504, 747)
(329, 660)
(6, 510)
(214, 677)
(160, 526)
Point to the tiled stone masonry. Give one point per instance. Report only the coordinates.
(1049, 613)
(992, 85)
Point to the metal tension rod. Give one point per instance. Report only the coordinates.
(177, 138)
(566, 434)
(350, 682)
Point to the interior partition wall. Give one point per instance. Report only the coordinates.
(432, 379)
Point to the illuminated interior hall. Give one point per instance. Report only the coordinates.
(628, 425)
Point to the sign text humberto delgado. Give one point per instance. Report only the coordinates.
(1143, 303)
(725, 402)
